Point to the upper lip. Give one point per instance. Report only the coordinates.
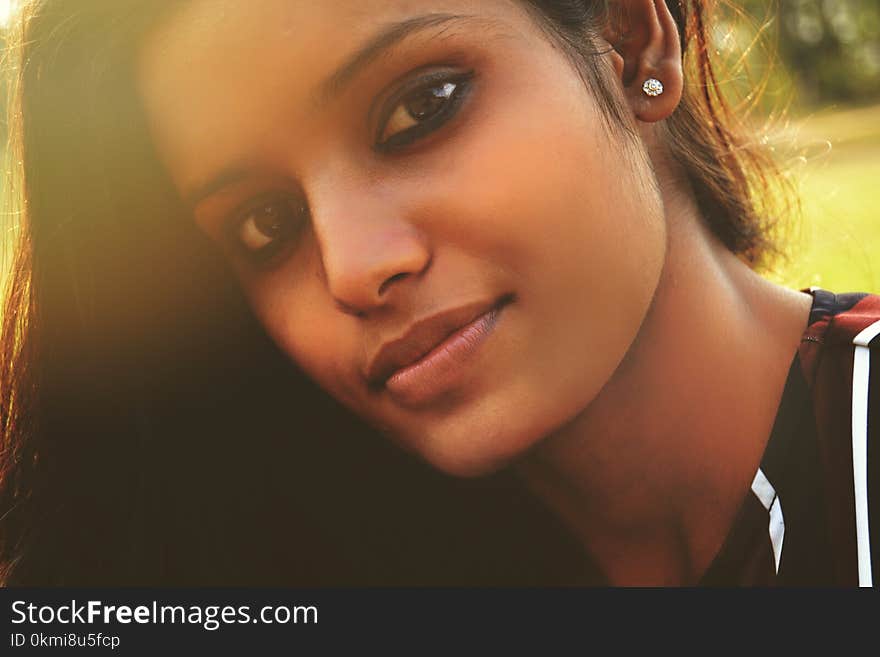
(421, 337)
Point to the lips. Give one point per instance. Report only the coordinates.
(422, 337)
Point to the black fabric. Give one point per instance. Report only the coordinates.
(792, 464)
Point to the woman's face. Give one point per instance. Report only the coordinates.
(400, 177)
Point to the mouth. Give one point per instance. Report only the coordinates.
(432, 355)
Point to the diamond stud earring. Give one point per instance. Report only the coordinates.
(652, 87)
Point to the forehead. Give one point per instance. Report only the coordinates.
(217, 76)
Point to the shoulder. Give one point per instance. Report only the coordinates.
(840, 356)
(838, 318)
(838, 324)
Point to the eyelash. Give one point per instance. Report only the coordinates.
(461, 83)
(263, 256)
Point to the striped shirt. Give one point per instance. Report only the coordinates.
(805, 521)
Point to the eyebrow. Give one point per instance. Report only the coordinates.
(387, 37)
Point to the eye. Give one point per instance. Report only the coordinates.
(266, 226)
(415, 112)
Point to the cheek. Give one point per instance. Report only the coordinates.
(537, 188)
(557, 213)
(299, 316)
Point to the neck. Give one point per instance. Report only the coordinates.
(651, 474)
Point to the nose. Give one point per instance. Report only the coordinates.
(367, 247)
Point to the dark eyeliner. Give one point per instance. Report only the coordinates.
(463, 83)
(236, 219)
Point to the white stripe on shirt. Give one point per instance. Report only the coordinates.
(861, 378)
(766, 494)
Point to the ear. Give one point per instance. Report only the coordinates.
(646, 45)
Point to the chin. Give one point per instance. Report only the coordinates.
(483, 446)
(465, 467)
(466, 457)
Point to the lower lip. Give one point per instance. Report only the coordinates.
(442, 367)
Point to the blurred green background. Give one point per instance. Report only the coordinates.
(823, 82)
(814, 72)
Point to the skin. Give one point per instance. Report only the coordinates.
(626, 383)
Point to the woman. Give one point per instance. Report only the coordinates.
(519, 239)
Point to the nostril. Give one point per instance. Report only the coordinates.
(390, 280)
(348, 310)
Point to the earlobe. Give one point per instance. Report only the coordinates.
(646, 46)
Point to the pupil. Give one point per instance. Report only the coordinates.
(429, 101)
(269, 221)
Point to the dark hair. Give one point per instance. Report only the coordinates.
(151, 433)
